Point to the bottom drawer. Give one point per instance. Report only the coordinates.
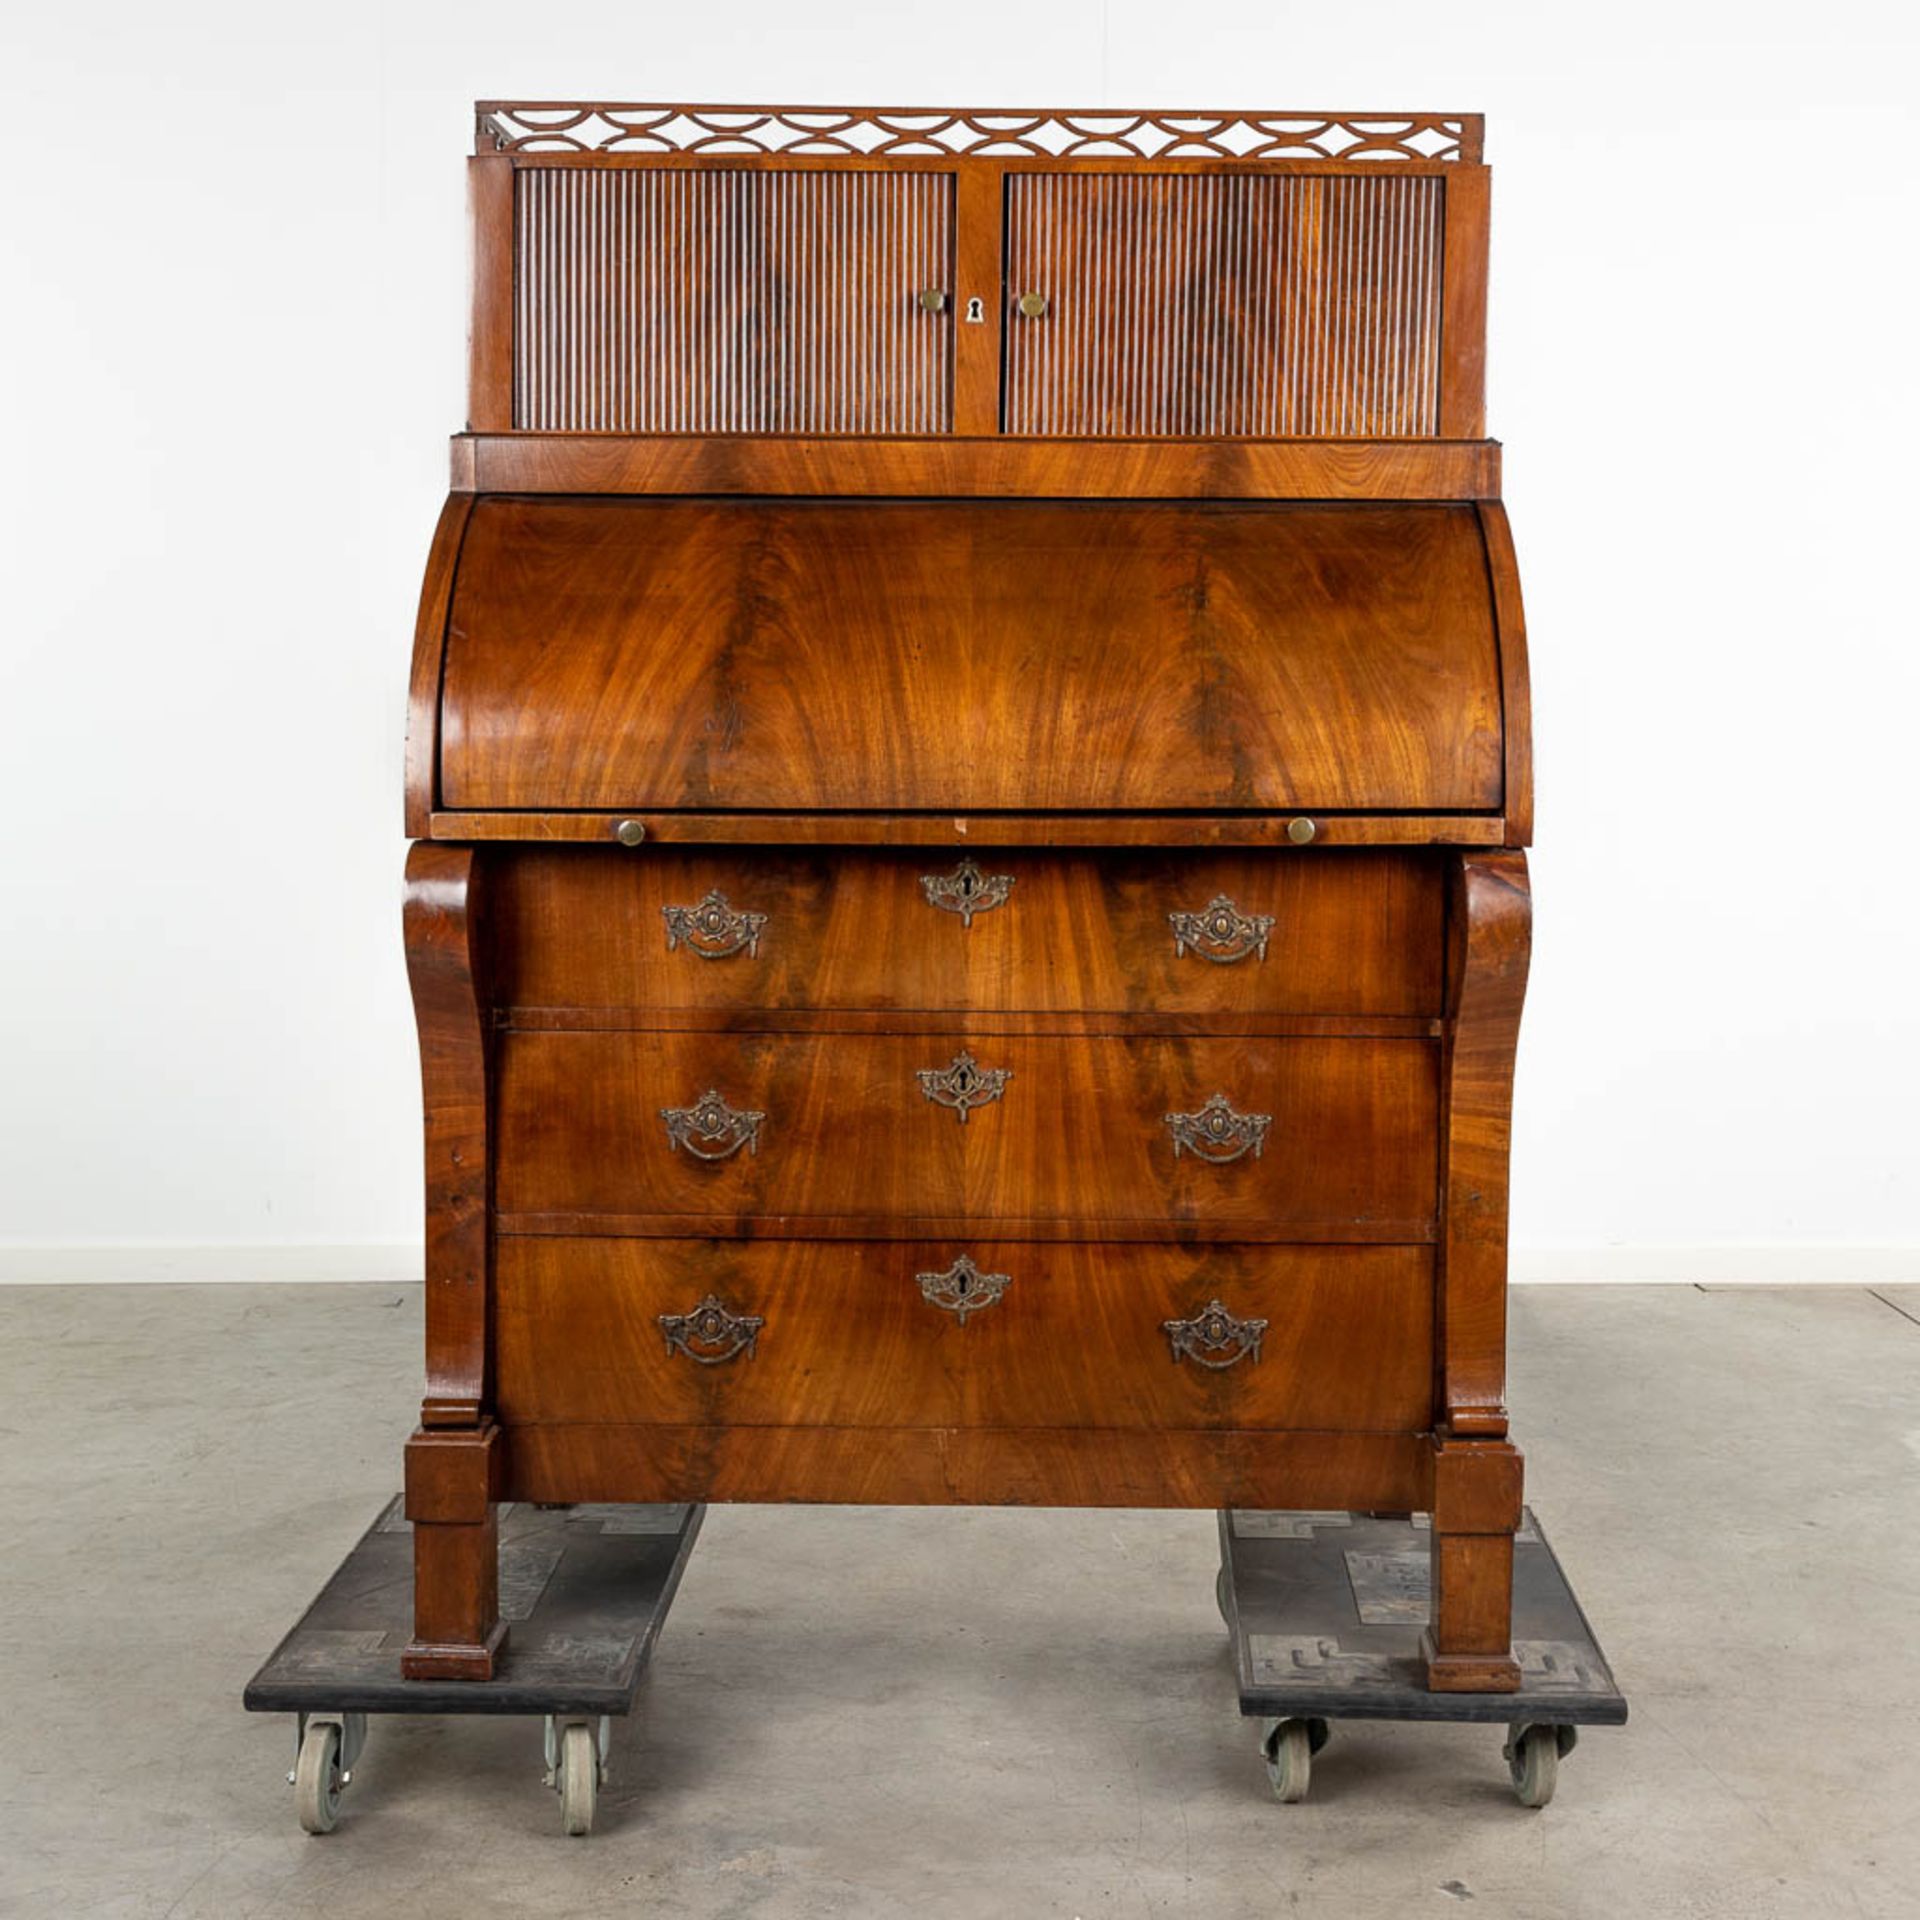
(1031, 1335)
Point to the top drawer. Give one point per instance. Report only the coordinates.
(1308, 932)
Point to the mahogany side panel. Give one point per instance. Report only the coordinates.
(956, 468)
(447, 968)
(490, 346)
(429, 649)
(1463, 331)
(1489, 939)
(881, 655)
(1516, 695)
(945, 1466)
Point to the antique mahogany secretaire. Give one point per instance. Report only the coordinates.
(968, 767)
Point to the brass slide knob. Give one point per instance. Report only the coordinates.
(934, 299)
(1032, 305)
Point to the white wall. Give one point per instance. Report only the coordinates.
(232, 334)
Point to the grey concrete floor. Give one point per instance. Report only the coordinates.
(964, 1713)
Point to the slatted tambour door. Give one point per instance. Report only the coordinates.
(673, 300)
(1202, 304)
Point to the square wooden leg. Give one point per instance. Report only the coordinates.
(1468, 1646)
(457, 1629)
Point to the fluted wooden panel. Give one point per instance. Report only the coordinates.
(1191, 304)
(677, 301)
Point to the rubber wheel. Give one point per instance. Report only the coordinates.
(1289, 1751)
(579, 1778)
(316, 1779)
(1533, 1759)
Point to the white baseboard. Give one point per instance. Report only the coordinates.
(383, 1262)
(1780, 1263)
(398, 1263)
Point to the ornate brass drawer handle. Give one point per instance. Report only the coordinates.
(1214, 1338)
(967, 891)
(1218, 1134)
(713, 929)
(963, 1288)
(710, 1129)
(710, 1335)
(964, 1085)
(1220, 932)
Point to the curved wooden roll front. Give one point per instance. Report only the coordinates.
(699, 657)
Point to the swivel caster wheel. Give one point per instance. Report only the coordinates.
(1289, 1746)
(1533, 1760)
(1223, 1597)
(323, 1766)
(576, 1765)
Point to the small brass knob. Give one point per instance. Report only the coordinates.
(1300, 830)
(934, 299)
(1033, 305)
(630, 832)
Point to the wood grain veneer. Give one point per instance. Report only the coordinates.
(1350, 933)
(967, 656)
(1074, 1340)
(1079, 1134)
(1008, 1467)
(993, 467)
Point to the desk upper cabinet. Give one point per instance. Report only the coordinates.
(969, 771)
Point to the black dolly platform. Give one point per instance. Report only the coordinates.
(1326, 1611)
(585, 1591)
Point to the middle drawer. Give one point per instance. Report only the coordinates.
(643, 1131)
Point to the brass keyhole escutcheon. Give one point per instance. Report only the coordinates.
(976, 312)
(1032, 305)
(934, 299)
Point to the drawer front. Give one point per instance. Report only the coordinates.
(1314, 931)
(973, 1334)
(1251, 1138)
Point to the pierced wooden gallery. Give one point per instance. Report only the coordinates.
(968, 777)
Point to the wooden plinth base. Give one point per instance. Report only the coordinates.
(426, 1660)
(1468, 1672)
